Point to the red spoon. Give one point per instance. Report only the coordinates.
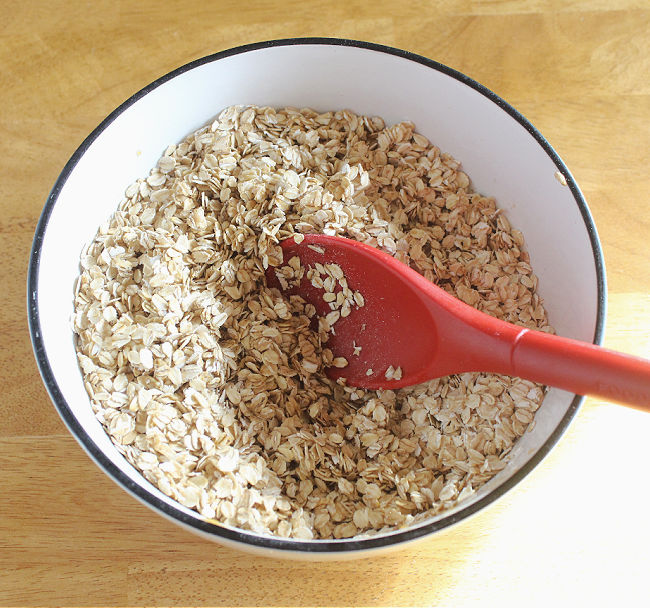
(407, 322)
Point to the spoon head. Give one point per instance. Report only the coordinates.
(384, 327)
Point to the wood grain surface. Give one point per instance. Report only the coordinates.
(574, 531)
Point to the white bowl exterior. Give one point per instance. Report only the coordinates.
(502, 158)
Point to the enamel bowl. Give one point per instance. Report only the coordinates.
(505, 156)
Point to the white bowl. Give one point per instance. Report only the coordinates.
(503, 153)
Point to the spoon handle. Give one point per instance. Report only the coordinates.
(582, 368)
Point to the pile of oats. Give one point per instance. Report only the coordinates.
(212, 385)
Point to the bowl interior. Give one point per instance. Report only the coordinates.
(501, 155)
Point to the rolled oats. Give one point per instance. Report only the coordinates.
(212, 384)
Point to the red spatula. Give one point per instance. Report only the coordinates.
(409, 323)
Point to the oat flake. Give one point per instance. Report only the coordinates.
(212, 384)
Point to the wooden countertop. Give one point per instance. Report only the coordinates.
(575, 530)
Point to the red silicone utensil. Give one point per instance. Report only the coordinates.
(409, 322)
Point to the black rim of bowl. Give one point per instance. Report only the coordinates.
(240, 536)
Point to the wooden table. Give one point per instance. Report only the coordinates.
(575, 530)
